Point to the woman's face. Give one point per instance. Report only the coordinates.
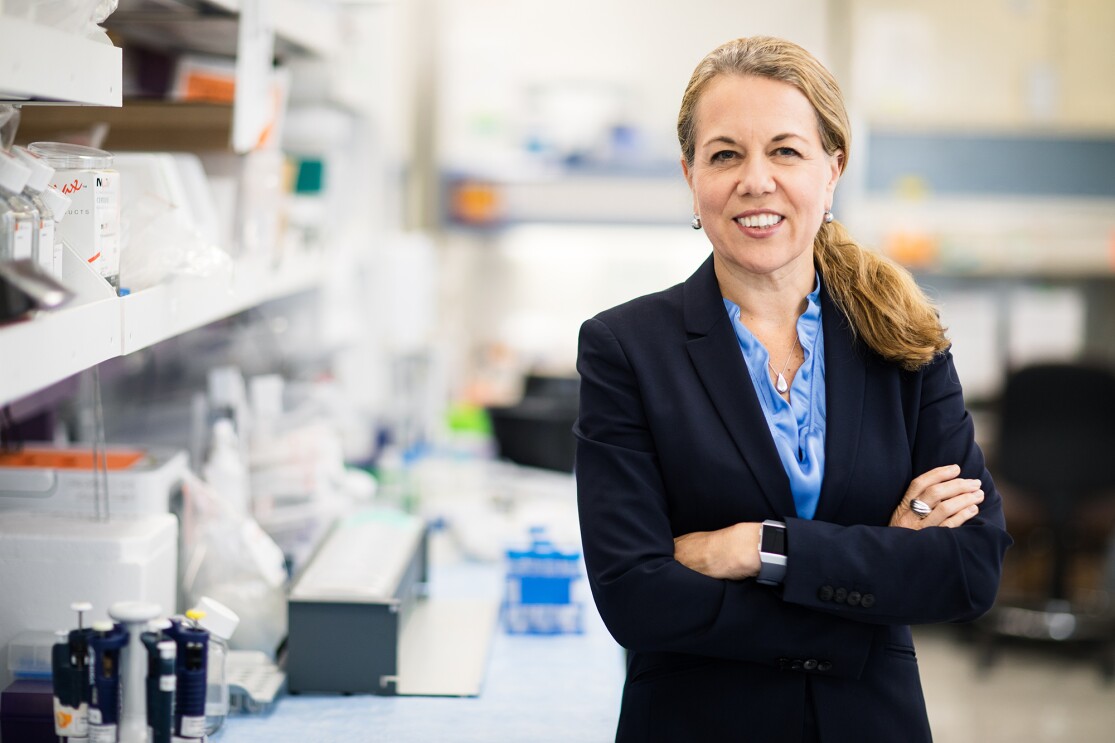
(760, 178)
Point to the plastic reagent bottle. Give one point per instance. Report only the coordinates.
(19, 221)
(224, 469)
(52, 206)
(221, 622)
(40, 178)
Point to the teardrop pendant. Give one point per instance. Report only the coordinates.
(780, 384)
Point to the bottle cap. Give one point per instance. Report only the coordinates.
(13, 173)
(218, 618)
(56, 201)
(65, 155)
(41, 172)
(133, 611)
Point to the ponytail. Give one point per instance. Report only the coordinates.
(884, 305)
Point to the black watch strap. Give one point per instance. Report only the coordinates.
(772, 553)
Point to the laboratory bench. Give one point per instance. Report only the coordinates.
(535, 687)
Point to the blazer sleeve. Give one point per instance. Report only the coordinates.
(913, 577)
(647, 599)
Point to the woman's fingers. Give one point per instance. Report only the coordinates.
(939, 493)
(955, 511)
(949, 497)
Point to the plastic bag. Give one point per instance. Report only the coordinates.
(228, 557)
(71, 16)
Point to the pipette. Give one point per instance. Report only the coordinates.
(70, 678)
(161, 681)
(107, 641)
(191, 666)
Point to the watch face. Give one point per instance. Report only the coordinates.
(774, 540)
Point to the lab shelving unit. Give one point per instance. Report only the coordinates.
(51, 346)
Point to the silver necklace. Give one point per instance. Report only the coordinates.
(780, 376)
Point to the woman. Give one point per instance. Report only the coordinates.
(796, 389)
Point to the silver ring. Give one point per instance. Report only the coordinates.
(920, 507)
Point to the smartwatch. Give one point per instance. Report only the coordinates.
(772, 553)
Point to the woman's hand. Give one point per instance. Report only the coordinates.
(731, 553)
(952, 500)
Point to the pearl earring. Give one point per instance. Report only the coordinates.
(828, 216)
(696, 223)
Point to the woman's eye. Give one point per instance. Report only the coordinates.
(722, 156)
(786, 152)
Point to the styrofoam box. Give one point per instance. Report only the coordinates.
(48, 561)
(144, 484)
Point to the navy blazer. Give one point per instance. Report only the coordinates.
(671, 439)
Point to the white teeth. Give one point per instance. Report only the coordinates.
(760, 220)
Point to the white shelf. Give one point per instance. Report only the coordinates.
(38, 352)
(56, 345)
(42, 64)
(187, 303)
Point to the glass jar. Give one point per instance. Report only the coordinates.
(221, 622)
(92, 225)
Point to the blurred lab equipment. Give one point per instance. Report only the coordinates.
(25, 288)
(68, 670)
(161, 681)
(53, 479)
(65, 555)
(225, 470)
(87, 176)
(191, 669)
(105, 648)
(220, 622)
(51, 205)
(360, 622)
(539, 597)
(537, 431)
(1056, 436)
(228, 557)
(133, 617)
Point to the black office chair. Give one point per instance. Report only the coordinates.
(1056, 444)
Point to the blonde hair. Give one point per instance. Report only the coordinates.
(883, 303)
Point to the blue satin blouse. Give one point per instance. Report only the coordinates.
(797, 426)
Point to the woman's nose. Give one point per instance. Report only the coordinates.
(755, 177)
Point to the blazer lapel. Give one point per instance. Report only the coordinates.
(845, 387)
(716, 356)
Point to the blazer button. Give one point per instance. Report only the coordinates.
(840, 596)
(824, 665)
(854, 598)
(810, 665)
(867, 601)
(825, 593)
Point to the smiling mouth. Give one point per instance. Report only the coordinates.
(759, 220)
